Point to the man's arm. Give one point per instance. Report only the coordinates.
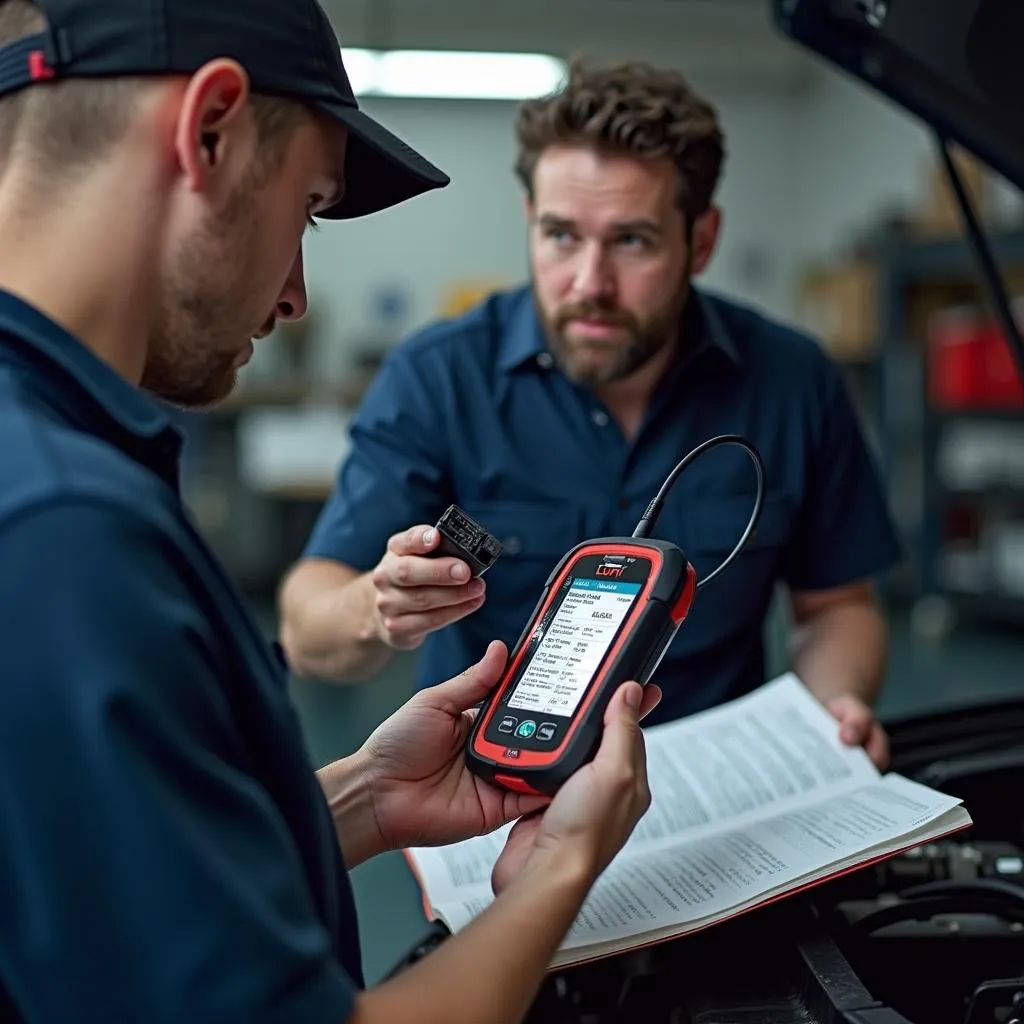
(393, 478)
(178, 857)
(839, 642)
(491, 971)
(329, 622)
(496, 964)
(344, 625)
(346, 789)
(143, 865)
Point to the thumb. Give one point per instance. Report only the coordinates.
(854, 718)
(417, 540)
(472, 686)
(621, 724)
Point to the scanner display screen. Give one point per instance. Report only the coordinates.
(573, 647)
(567, 648)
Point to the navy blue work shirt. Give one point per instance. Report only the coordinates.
(167, 854)
(475, 411)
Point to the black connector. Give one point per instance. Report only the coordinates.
(463, 538)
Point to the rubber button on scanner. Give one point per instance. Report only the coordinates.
(516, 785)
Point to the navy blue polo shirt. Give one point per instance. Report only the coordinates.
(475, 411)
(166, 851)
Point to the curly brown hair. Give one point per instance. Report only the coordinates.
(629, 108)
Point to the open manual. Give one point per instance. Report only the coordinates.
(751, 801)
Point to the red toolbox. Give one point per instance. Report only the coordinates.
(970, 365)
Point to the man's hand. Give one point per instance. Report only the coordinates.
(595, 812)
(416, 595)
(414, 764)
(858, 727)
(421, 790)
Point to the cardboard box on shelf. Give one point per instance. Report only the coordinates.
(839, 306)
(461, 295)
(938, 214)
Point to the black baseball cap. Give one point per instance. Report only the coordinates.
(287, 47)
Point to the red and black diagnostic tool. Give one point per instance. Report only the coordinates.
(607, 614)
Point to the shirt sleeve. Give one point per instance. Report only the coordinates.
(145, 872)
(845, 532)
(394, 476)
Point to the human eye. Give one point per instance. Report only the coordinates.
(558, 234)
(634, 242)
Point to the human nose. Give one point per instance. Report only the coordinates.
(292, 303)
(593, 279)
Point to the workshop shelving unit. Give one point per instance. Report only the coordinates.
(915, 279)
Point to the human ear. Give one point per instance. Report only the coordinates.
(704, 238)
(212, 123)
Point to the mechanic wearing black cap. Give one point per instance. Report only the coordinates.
(167, 853)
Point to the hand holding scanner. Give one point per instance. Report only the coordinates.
(606, 615)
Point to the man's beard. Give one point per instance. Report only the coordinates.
(622, 357)
(194, 347)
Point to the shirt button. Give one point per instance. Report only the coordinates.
(624, 503)
(600, 418)
(512, 545)
(544, 361)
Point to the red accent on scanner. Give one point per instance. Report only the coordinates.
(682, 608)
(517, 785)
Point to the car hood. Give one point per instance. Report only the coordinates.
(956, 64)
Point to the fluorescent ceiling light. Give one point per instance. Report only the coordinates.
(453, 74)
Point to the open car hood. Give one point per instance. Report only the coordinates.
(956, 64)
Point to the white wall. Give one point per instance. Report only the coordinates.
(814, 157)
(475, 227)
(858, 155)
(721, 39)
(471, 228)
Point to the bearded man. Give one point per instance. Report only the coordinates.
(554, 412)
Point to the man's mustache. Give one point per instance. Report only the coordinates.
(589, 310)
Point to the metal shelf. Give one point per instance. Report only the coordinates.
(908, 428)
(925, 260)
(992, 606)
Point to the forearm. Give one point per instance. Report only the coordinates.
(841, 651)
(346, 787)
(329, 624)
(491, 970)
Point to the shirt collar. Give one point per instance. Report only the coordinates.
(704, 319)
(523, 343)
(90, 390)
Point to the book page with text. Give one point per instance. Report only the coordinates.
(773, 749)
(459, 875)
(683, 887)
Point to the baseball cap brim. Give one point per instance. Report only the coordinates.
(380, 169)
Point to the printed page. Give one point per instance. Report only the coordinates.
(680, 888)
(774, 749)
(462, 871)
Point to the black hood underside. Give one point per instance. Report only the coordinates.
(958, 65)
